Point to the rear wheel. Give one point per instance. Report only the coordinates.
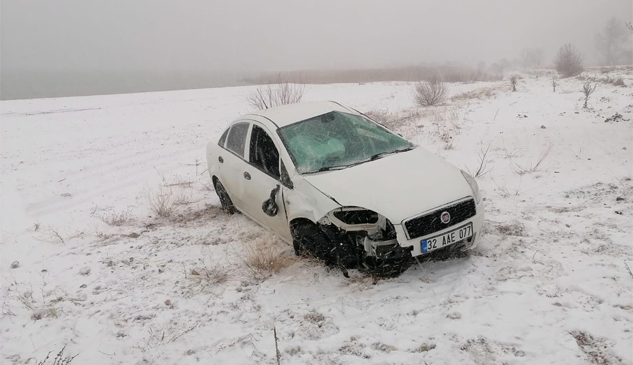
(225, 200)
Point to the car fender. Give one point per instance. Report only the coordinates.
(306, 201)
(213, 151)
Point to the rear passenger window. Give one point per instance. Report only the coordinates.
(237, 138)
(223, 138)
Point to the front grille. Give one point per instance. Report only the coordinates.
(429, 223)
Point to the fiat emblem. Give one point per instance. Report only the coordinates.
(445, 217)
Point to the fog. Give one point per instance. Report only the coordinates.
(84, 47)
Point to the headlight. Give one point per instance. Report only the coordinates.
(473, 185)
(356, 216)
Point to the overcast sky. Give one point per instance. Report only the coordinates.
(289, 34)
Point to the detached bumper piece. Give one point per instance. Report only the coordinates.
(390, 261)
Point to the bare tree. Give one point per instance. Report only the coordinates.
(513, 82)
(612, 43)
(432, 92)
(569, 61)
(587, 89)
(281, 93)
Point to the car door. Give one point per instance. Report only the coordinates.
(232, 162)
(263, 188)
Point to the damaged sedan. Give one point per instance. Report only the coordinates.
(341, 187)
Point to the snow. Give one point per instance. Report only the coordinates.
(550, 283)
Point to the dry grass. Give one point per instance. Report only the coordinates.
(114, 218)
(394, 121)
(209, 274)
(59, 359)
(482, 168)
(506, 192)
(51, 235)
(183, 198)
(533, 167)
(514, 228)
(407, 74)
(264, 257)
(481, 94)
(161, 201)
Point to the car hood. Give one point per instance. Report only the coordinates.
(397, 186)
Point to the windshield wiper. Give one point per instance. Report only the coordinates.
(372, 158)
(328, 168)
(382, 154)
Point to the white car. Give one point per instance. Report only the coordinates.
(344, 188)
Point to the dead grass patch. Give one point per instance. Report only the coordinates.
(161, 201)
(51, 235)
(483, 93)
(533, 167)
(209, 273)
(183, 198)
(593, 348)
(59, 359)
(510, 229)
(114, 218)
(264, 257)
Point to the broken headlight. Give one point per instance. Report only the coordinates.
(356, 216)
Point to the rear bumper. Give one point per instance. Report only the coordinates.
(416, 243)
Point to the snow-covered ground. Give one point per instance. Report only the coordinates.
(549, 284)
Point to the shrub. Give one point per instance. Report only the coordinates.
(269, 96)
(587, 90)
(569, 61)
(264, 257)
(513, 82)
(432, 92)
(619, 82)
(161, 202)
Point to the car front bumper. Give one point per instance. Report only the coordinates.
(416, 243)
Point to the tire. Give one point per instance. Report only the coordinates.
(225, 199)
(309, 240)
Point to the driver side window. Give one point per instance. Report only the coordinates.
(263, 153)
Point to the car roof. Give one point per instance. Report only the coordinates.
(292, 113)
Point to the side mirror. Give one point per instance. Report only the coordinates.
(270, 206)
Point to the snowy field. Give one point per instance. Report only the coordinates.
(86, 264)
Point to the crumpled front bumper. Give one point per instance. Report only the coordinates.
(416, 243)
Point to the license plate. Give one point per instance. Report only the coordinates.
(448, 238)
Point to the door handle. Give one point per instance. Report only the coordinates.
(247, 176)
(220, 159)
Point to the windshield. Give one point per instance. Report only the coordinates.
(337, 140)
